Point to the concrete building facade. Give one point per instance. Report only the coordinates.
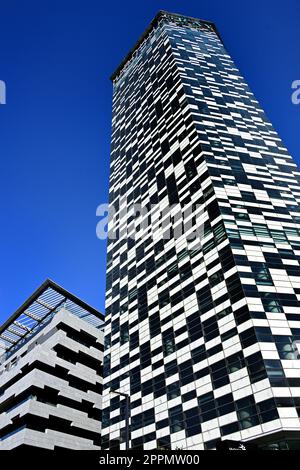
(51, 373)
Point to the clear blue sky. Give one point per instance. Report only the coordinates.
(56, 57)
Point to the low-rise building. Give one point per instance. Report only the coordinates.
(51, 373)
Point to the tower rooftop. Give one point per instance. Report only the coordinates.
(182, 20)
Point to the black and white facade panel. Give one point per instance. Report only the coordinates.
(200, 332)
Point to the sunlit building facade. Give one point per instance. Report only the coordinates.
(200, 332)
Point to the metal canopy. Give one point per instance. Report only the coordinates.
(38, 310)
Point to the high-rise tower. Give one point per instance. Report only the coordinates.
(200, 332)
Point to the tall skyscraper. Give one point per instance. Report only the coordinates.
(201, 332)
(51, 354)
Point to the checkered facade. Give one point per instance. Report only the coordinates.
(201, 338)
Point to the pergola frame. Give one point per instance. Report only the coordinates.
(38, 309)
